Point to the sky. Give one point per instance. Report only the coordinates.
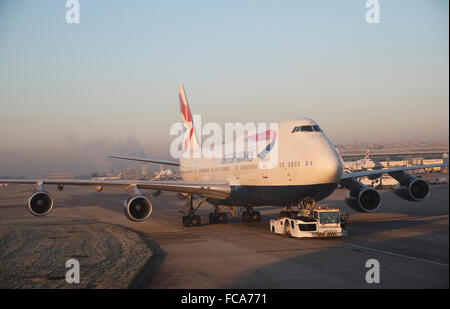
(70, 94)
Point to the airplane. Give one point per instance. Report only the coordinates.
(308, 169)
(360, 165)
(163, 174)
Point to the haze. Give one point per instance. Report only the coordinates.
(70, 94)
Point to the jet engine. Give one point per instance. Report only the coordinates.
(40, 203)
(412, 189)
(137, 208)
(363, 199)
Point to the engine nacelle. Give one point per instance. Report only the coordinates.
(40, 203)
(363, 199)
(137, 208)
(412, 189)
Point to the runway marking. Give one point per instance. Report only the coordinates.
(397, 255)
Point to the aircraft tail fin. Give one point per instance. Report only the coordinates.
(190, 137)
(367, 155)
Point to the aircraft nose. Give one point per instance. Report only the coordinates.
(328, 167)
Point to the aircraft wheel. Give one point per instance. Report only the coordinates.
(196, 221)
(256, 216)
(245, 217)
(212, 218)
(283, 214)
(223, 218)
(187, 221)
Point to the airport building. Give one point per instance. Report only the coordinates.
(389, 152)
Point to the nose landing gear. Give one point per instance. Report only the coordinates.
(305, 207)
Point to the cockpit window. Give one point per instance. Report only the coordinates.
(314, 128)
(307, 129)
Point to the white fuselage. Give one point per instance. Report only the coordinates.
(298, 162)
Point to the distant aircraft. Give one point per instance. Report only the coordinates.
(359, 165)
(308, 169)
(163, 174)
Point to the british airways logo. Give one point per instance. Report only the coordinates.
(269, 136)
(263, 143)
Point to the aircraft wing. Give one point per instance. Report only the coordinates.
(212, 189)
(158, 161)
(389, 170)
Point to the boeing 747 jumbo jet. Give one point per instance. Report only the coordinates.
(307, 170)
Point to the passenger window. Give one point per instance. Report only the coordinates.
(306, 163)
(292, 224)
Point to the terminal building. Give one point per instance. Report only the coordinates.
(410, 153)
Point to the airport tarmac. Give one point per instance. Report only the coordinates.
(410, 241)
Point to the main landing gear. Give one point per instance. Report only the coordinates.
(218, 218)
(191, 219)
(251, 216)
